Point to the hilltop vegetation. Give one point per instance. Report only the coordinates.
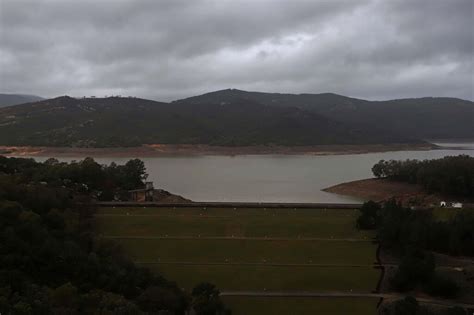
(110, 122)
(451, 175)
(421, 118)
(234, 118)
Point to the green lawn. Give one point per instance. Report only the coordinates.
(276, 278)
(300, 306)
(251, 251)
(189, 222)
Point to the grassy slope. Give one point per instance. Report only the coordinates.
(272, 223)
(251, 251)
(288, 223)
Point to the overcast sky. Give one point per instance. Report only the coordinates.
(164, 50)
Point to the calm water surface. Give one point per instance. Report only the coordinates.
(270, 178)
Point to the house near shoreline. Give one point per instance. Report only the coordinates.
(142, 194)
(449, 204)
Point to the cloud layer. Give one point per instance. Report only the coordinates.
(165, 50)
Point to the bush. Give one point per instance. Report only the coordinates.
(368, 219)
(442, 287)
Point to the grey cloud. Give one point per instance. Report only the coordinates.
(165, 50)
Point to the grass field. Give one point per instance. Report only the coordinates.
(253, 250)
(285, 306)
(247, 222)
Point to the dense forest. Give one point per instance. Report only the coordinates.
(451, 175)
(51, 262)
(414, 235)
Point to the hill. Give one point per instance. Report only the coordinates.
(15, 99)
(114, 121)
(422, 118)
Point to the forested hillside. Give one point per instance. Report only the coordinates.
(114, 121)
(422, 118)
(235, 118)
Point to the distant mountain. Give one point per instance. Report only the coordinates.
(230, 120)
(15, 99)
(422, 118)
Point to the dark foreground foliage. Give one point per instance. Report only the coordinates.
(206, 300)
(51, 262)
(451, 175)
(410, 306)
(399, 228)
(414, 235)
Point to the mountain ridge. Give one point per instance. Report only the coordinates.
(66, 121)
(423, 118)
(234, 118)
(8, 99)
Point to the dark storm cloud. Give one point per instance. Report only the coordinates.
(171, 49)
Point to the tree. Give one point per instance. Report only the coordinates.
(206, 300)
(442, 286)
(369, 215)
(65, 299)
(416, 267)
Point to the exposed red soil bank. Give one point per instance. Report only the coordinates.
(384, 189)
(152, 150)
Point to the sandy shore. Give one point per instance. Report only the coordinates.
(384, 189)
(155, 150)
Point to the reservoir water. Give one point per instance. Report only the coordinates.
(271, 178)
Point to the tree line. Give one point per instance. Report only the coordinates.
(451, 175)
(51, 261)
(103, 182)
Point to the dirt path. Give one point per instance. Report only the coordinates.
(190, 263)
(238, 238)
(270, 264)
(341, 294)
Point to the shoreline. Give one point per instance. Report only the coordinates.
(163, 150)
(380, 190)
